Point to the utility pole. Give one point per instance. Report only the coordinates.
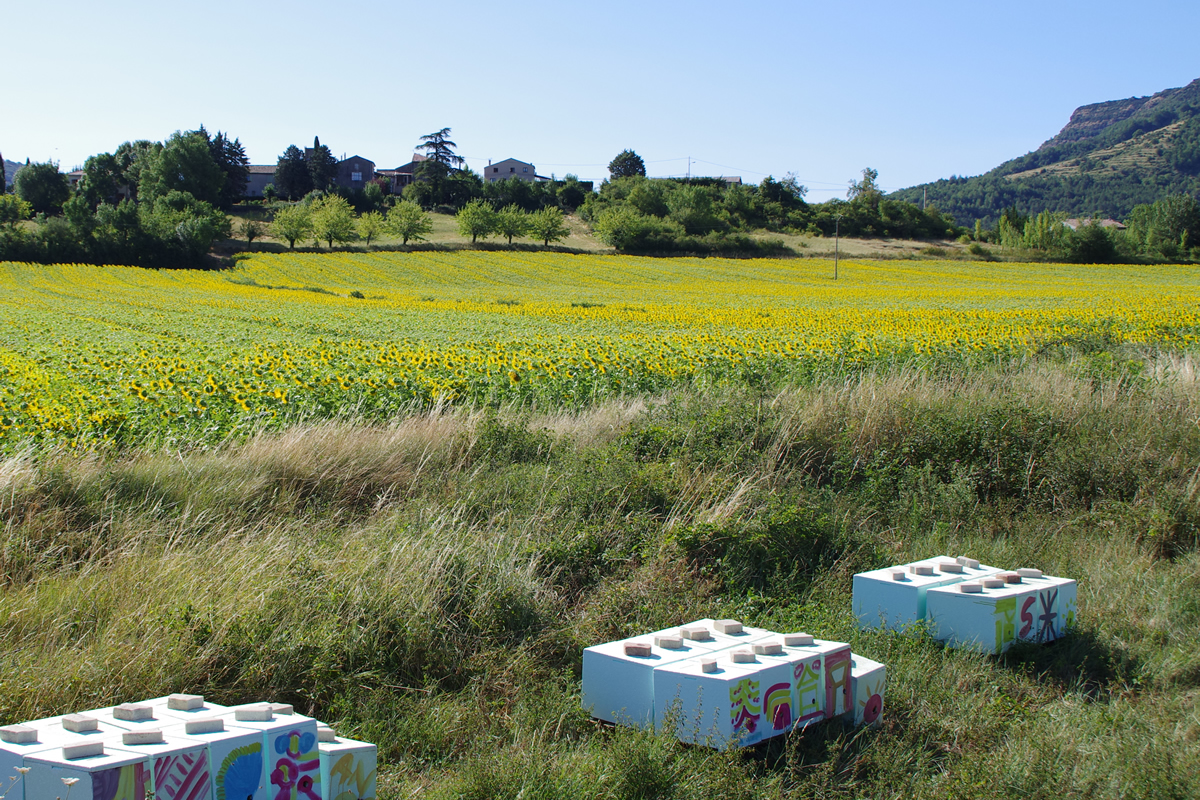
(689, 171)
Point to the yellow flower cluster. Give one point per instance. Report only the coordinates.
(92, 353)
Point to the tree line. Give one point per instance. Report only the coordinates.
(1166, 230)
(634, 213)
(149, 204)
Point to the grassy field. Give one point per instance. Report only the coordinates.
(426, 575)
(444, 234)
(581, 239)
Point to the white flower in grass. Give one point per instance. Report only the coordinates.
(22, 770)
(70, 781)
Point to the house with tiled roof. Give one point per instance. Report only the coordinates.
(1076, 224)
(402, 175)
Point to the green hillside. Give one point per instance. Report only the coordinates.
(1109, 157)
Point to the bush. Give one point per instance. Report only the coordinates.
(1091, 244)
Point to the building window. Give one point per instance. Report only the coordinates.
(512, 169)
(524, 169)
(495, 169)
(356, 176)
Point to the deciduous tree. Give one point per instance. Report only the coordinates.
(101, 180)
(865, 191)
(333, 219)
(549, 225)
(512, 221)
(191, 226)
(370, 225)
(408, 221)
(292, 223)
(184, 164)
(43, 187)
(476, 219)
(132, 158)
(13, 209)
(251, 229)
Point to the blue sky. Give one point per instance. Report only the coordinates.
(919, 91)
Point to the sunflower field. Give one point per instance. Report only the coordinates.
(91, 355)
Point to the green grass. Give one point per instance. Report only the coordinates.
(430, 585)
(444, 235)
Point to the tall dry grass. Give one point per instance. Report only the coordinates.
(431, 584)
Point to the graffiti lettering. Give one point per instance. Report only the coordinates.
(1048, 630)
(1006, 629)
(744, 705)
(1026, 618)
(778, 706)
(808, 691)
(837, 683)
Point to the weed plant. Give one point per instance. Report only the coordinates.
(430, 585)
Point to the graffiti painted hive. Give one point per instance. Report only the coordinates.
(720, 684)
(182, 748)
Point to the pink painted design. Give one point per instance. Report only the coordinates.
(181, 777)
(872, 709)
(837, 683)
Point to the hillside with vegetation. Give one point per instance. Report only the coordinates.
(1109, 158)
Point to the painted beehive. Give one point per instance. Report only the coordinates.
(819, 675)
(868, 679)
(18, 741)
(292, 766)
(347, 766)
(178, 766)
(235, 757)
(618, 683)
(1052, 613)
(720, 699)
(894, 597)
(982, 615)
(180, 747)
(96, 770)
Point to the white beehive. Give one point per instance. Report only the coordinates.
(1052, 614)
(291, 759)
(95, 769)
(618, 683)
(820, 672)
(979, 615)
(720, 699)
(17, 742)
(235, 756)
(347, 766)
(868, 680)
(179, 766)
(894, 597)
